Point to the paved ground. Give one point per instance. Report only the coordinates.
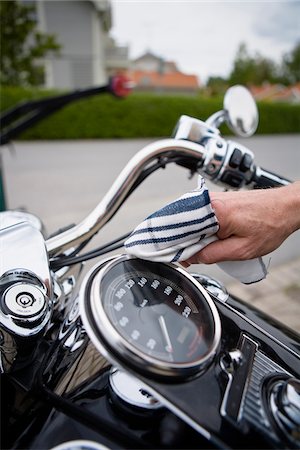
(277, 295)
(62, 182)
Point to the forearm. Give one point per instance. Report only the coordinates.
(292, 206)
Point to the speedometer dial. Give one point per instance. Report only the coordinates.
(152, 316)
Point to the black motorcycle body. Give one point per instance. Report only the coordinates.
(70, 382)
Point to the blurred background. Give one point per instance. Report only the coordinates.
(165, 46)
(192, 48)
(181, 57)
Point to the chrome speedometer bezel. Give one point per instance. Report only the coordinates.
(118, 350)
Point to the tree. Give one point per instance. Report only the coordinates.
(217, 85)
(291, 66)
(249, 69)
(22, 45)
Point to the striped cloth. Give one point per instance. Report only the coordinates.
(183, 228)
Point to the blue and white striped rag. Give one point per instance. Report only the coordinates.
(181, 229)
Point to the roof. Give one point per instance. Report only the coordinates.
(276, 92)
(176, 80)
(147, 55)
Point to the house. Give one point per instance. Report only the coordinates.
(116, 57)
(152, 63)
(88, 55)
(150, 72)
(276, 92)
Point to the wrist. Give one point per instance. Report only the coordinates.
(292, 206)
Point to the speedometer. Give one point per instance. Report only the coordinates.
(152, 317)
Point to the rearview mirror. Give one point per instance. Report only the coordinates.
(241, 113)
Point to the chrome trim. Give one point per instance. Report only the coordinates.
(80, 444)
(230, 147)
(128, 351)
(25, 300)
(32, 319)
(26, 328)
(284, 404)
(12, 217)
(26, 292)
(213, 286)
(253, 408)
(23, 247)
(236, 359)
(66, 283)
(231, 378)
(118, 191)
(216, 119)
(216, 150)
(194, 130)
(271, 176)
(132, 391)
(226, 393)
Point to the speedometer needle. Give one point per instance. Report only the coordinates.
(165, 333)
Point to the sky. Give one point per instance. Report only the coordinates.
(202, 37)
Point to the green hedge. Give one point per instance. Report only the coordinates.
(139, 115)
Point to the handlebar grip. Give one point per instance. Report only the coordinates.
(264, 179)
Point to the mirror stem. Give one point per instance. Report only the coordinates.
(216, 119)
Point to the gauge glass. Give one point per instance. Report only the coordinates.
(156, 313)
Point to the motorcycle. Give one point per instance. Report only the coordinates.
(85, 358)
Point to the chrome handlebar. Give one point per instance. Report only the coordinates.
(196, 145)
(114, 198)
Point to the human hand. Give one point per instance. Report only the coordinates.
(252, 223)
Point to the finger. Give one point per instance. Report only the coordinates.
(219, 207)
(230, 249)
(185, 264)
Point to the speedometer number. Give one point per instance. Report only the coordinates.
(130, 283)
(124, 321)
(142, 281)
(118, 306)
(168, 290)
(135, 335)
(151, 344)
(155, 284)
(186, 312)
(120, 293)
(178, 300)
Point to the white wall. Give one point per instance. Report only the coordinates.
(78, 28)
